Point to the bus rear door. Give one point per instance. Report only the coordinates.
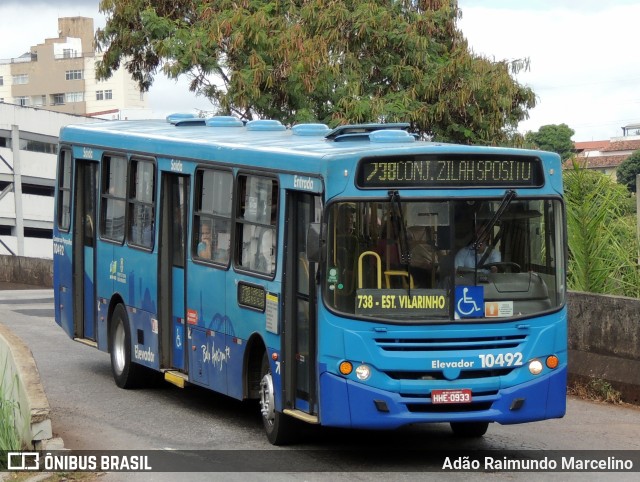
(84, 291)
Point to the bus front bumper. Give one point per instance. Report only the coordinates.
(345, 403)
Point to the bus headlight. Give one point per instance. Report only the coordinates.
(535, 367)
(363, 372)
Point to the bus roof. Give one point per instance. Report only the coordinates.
(196, 137)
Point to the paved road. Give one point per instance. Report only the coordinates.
(90, 413)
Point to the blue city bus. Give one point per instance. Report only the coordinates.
(355, 277)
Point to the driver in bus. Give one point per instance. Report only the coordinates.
(468, 257)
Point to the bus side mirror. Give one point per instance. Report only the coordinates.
(315, 242)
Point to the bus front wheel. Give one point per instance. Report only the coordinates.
(278, 427)
(125, 373)
(469, 429)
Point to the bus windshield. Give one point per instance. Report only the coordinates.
(408, 261)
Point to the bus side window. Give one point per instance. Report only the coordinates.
(212, 216)
(114, 180)
(64, 187)
(141, 204)
(256, 223)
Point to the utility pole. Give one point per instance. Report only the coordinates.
(17, 188)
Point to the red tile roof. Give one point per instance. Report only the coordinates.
(633, 145)
(596, 162)
(590, 145)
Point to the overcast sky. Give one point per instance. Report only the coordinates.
(584, 68)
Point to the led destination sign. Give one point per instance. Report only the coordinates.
(450, 171)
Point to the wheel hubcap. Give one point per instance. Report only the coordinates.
(267, 405)
(118, 348)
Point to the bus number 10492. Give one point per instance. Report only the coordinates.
(501, 360)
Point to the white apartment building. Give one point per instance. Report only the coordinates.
(59, 75)
(50, 86)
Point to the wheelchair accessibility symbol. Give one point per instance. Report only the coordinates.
(469, 301)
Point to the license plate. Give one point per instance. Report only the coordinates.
(439, 397)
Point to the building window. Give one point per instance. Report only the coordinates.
(57, 99)
(73, 75)
(99, 94)
(23, 101)
(74, 97)
(21, 79)
(108, 95)
(38, 146)
(1, 80)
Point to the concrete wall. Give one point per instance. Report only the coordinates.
(604, 341)
(29, 271)
(20, 381)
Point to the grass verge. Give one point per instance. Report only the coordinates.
(595, 389)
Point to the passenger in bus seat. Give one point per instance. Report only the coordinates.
(204, 246)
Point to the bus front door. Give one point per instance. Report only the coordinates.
(173, 246)
(84, 292)
(300, 315)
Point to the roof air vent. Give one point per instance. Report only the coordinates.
(224, 121)
(391, 136)
(265, 125)
(310, 130)
(360, 132)
(177, 117)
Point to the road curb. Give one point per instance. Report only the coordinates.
(20, 380)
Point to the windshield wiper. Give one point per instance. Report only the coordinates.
(509, 195)
(403, 237)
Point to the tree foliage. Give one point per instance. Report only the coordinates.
(603, 246)
(333, 61)
(554, 138)
(628, 170)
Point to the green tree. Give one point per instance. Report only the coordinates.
(602, 241)
(628, 169)
(333, 61)
(554, 138)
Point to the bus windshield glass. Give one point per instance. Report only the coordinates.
(413, 261)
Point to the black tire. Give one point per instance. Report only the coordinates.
(469, 429)
(280, 428)
(125, 373)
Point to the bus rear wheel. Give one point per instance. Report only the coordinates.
(278, 427)
(469, 429)
(125, 373)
